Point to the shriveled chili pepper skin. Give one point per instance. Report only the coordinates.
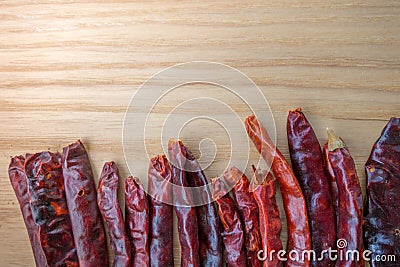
(137, 221)
(81, 194)
(49, 209)
(19, 182)
(308, 166)
(161, 213)
(231, 226)
(299, 238)
(332, 179)
(270, 223)
(107, 198)
(184, 206)
(382, 211)
(249, 212)
(350, 210)
(210, 240)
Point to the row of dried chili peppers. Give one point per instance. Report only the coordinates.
(321, 195)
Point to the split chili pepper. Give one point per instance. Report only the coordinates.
(349, 223)
(107, 197)
(19, 183)
(161, 213)
(210, 240)
(249, 212)
(80, 190)
(299, 239)
(382, 221)
(308, 166)
(270, 224)
(49, 209)
(137, 221)
(183, 205)
(231, 226)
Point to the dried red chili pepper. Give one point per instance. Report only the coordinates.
(332, 179)
(350, 200)
(299, 239)
(270, 224)
(81, 194)
(19, 182)
(161, 213)
(249, 213)
(308, 166)
(137, 221)
(183, 205)
(107, 197)
(382, 221)
(231, 226)
(49, 209)
(210, 240)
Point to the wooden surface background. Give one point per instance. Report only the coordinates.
(69, 68)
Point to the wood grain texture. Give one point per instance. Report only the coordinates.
(69, 68)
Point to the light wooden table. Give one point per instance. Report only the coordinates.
(69, 68)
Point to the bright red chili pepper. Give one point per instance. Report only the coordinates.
(231, 226)
(270, 223)
(299, 238)
(249, 212)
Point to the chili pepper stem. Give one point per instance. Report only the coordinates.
(334, 141)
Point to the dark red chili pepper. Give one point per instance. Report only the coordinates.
(161, 213)
(210, 240)
(49, 209)
(350, 201)
(382, 221)
(270, 223)
(231, 226)
(107, 197)
(19, 183)
(332, 179)
(249, 213)
(184, 206)
(81, 194)
(299, 238)
(137, 221)
(308, 166)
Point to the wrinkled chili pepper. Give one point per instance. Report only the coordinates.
(308, 166)
(107, 197)
(270, 224)
(231, 226)
(210, 240)
(19, 183)
(249, 213)
(137, 221)
(332, 179)
(161, 213)
(382, 221)
(81, 194)
(183, 205)
(299, 239)
(350, 201)
(49, 209)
